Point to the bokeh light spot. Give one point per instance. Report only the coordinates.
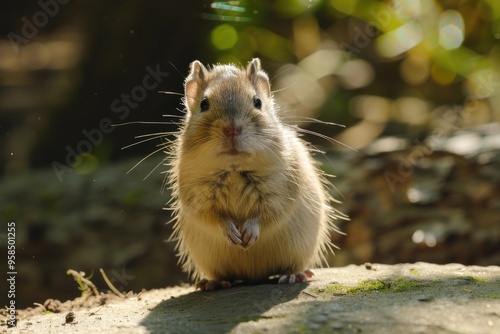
(224, 37)
(418, 236)
(356, 74)
(400, 40)
(451, 29)
(450, 37)
(415, 69)
(85, 163)
(346, 7)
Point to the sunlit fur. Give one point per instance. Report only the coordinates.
(274, 179)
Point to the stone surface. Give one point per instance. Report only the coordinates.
(409, 298)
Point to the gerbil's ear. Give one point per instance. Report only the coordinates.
(258, 77)
(194, 84)
(198, 71)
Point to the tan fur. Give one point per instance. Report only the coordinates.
(274, 181)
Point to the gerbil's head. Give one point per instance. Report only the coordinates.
(230, 113)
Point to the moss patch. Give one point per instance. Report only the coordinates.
(334, 288)
(397, 285)
(477, 279)
(407, 284)
(492, 296)
(368, 286)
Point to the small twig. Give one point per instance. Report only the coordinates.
(95, 312)
(38, 304)
(110, 285)
(310, 294)
(76, 274)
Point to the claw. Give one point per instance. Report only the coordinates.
(296, 278)
(309, 273)
(283, 280)
(206, 285)
(301, 278)
(232, 233)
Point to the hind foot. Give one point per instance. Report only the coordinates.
(206, 285)
(296, 278)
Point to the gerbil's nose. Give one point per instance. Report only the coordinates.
(232, 130)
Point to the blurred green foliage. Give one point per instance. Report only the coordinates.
(415, 55)
(382, 68)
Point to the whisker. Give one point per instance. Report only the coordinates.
(314, 120)
(330, 184)
(174, 116)
(151, 172)
(170, 93)
(143, 141)
(282, 89)
(159, 134)
(147, 156)
(268, 146)
(322, 136)
(145, 122)
(182, 75)
(280, 72)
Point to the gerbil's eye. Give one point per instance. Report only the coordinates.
(204, 105)
(257, 103)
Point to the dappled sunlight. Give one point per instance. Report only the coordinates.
(434, 47)
(400, 40)
(451, 29)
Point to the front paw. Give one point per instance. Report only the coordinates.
(250, 232)
(232, 233)
(245, 236)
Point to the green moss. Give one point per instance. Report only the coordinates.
(302, 329)
(367, 286)
(336, 288)
(397, 285)
(477, 279)
(492, 296)
(407, 285)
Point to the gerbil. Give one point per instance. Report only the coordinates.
(249, 201)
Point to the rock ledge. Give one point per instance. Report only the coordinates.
(376, 298)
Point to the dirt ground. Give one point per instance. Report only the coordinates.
(374, 298)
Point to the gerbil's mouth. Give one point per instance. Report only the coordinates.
(233, 152)
(232, 147)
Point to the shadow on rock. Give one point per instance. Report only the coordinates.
(218, 311)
